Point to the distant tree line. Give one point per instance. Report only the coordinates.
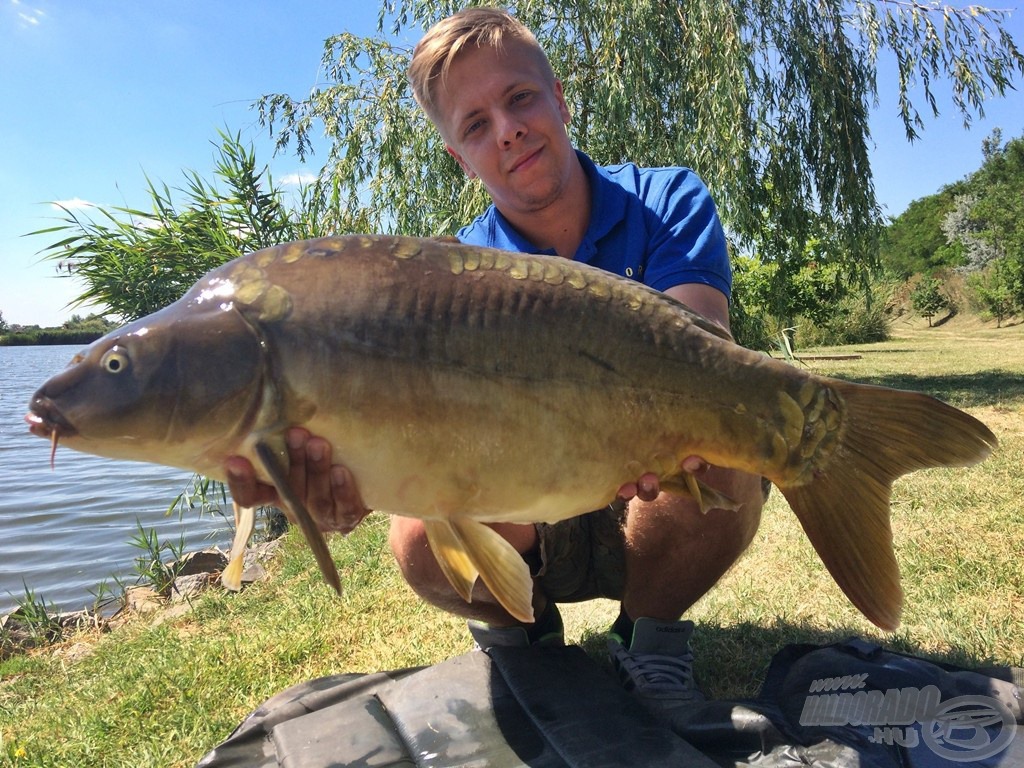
(974, 226)
(76, 330)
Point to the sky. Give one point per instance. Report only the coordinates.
(96, 96)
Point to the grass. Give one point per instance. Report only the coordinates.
(163, 691)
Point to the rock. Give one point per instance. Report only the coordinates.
(196, 571)
(204, 561)
(254, 572)
(172, 612)
(188, 587)
(76, 620)
(142, 600)
(17, 633)
(262, 552)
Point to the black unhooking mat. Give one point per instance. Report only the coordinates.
(853, 704)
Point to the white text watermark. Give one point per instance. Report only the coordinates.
(960, 729)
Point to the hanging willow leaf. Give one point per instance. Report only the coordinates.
(768, 100)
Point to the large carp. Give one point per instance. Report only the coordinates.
(465, 385)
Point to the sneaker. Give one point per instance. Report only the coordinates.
(485, 636)
(658, 665)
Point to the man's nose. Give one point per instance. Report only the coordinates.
(510, 130)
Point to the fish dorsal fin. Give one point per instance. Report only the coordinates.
(245, 520)
(465, 548)
(299, 514)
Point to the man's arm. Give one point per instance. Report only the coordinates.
(704, 300)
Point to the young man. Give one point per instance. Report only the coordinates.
(489, 89)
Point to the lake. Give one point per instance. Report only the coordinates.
(64, 531)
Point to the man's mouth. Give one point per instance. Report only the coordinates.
(524, 160)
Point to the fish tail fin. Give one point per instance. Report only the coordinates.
(845, 509)
(466, 548)
(313, 535)
(245, 519)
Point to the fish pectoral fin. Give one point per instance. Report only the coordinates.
(313, 535)
(245, 520)
(707, 498)
(501, 567)
(450, 552)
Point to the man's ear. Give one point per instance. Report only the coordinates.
(462, 163)
(563, 108)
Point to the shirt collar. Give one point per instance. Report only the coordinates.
(607, 208)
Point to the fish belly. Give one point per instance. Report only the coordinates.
(432, 444)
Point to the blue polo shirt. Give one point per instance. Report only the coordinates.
(655, 225)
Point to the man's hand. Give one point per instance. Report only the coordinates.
(647, 487)
(329, 491)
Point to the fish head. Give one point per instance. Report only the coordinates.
(178, 387)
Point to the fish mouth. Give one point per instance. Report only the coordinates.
(45, 420)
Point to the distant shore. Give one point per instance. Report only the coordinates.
(48, 337)
(77, 330)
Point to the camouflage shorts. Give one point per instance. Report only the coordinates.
(584, 557)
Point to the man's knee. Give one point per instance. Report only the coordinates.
(409, 545)
(734, 530)
(739, 535)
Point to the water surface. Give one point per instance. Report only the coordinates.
(64, 531)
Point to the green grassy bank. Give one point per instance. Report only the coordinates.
(163, 690)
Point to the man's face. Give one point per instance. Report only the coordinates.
(504, 121)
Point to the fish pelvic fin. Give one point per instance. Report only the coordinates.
(245, 520)
(450, 552)
(707, 498)
(501, 567)
(844, 509)
(313, 535)
(466, 548)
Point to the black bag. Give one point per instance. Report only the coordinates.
(849, 705)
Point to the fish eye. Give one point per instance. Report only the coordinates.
(115, 361)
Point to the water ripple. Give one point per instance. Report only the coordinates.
(64, 531)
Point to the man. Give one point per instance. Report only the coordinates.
(489, 89)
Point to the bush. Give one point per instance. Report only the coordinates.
(928, 299)
(993, 290)
(860, 318)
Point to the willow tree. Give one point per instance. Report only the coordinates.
(768, 100)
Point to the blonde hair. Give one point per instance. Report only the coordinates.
(443, 42)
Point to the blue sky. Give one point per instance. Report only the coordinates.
(97, 95)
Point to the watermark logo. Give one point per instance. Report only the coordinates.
(961, 729)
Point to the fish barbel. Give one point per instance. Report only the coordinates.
(464, 385)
